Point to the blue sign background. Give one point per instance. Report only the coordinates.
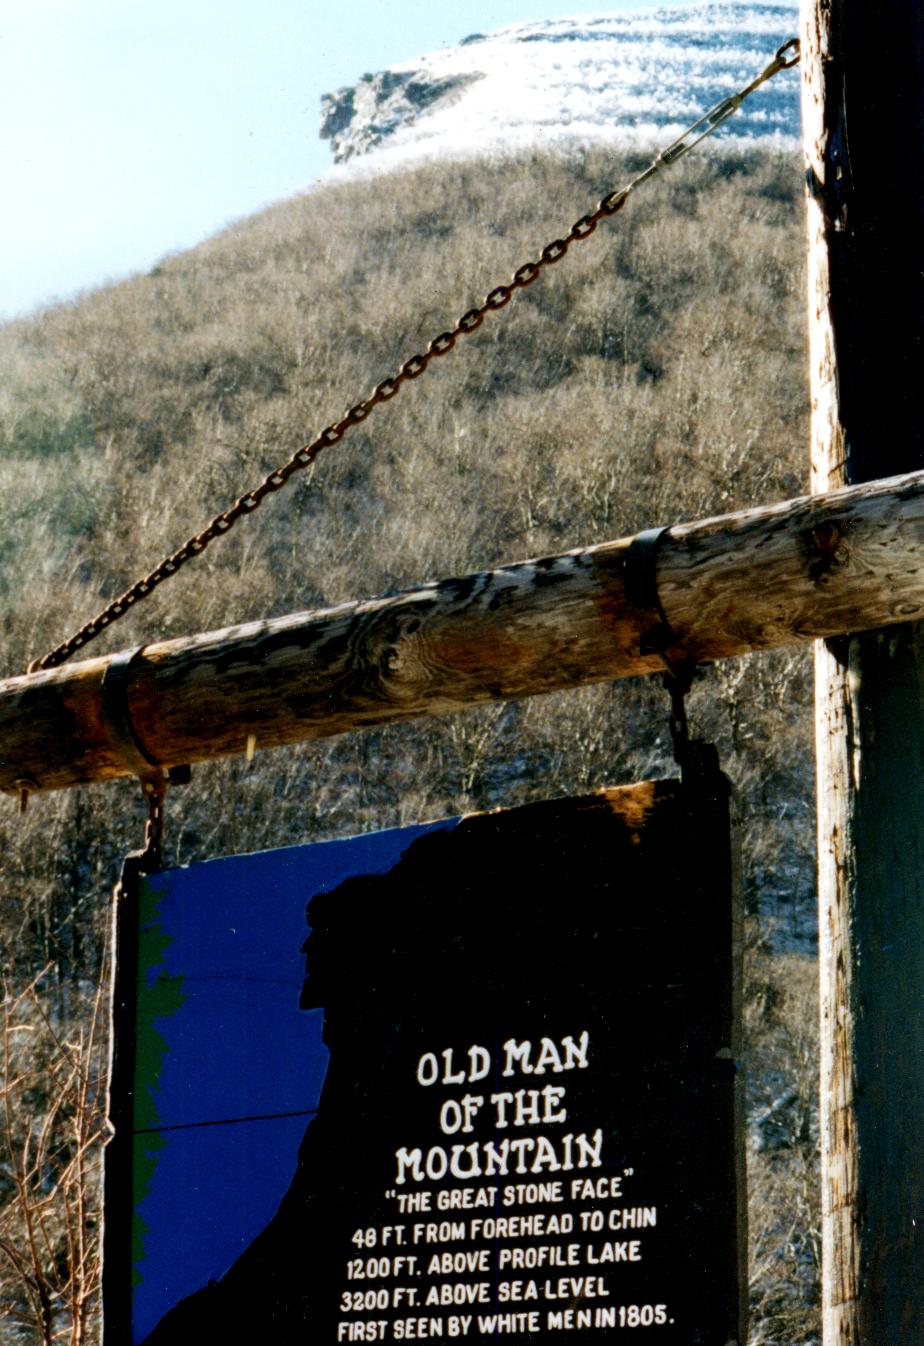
(228, 1069)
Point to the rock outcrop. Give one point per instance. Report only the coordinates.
(627, 78)
(358, 119)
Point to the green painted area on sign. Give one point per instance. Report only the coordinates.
(159, 996)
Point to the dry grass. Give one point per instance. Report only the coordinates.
(656, 374)
(52, 1126)
(785, 1234)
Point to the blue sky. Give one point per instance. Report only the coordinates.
(134, 128)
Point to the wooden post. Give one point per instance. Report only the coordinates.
(863, 105)
(766, 577)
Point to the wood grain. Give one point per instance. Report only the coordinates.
(755, 580)
(863, 74)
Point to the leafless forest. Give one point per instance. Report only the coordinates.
(656, 374)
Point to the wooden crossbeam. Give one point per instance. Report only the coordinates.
(770, 576)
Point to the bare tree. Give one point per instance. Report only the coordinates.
(52, 1123)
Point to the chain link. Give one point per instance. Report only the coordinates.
(155, 792)
(498, 298)
(677, 682)
(138, 864)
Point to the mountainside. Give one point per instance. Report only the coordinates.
(624, 79)
(656, 374)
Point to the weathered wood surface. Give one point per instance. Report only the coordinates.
(863, 76)
(762, 578)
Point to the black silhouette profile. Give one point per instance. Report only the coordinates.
(602, 916)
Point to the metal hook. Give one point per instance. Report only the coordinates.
(25, 787)
(131, 752)
(792, 45)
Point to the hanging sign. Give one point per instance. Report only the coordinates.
(492, 1095)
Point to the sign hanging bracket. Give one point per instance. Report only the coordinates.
(698, 760)
(120, 731)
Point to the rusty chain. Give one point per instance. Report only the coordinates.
(498, 298)
(149, 859)
(155, 792)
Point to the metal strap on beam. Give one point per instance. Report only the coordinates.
(117, 720)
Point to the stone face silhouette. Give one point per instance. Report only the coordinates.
(590, 930)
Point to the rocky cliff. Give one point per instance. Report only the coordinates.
(623, 78)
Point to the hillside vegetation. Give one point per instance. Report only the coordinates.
(656, 374)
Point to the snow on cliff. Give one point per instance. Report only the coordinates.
(623, 79)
